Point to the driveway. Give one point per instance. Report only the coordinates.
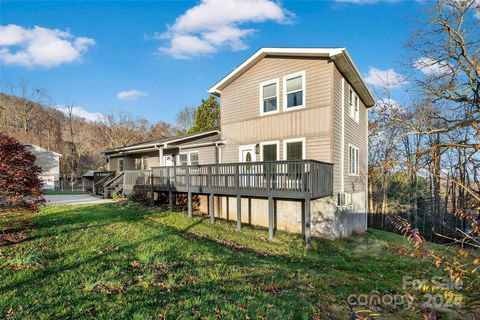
(75, 199)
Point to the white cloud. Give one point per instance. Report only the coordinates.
(82, 113)
(429, 66)
(215, 24)
(131, 95)
(40, 46)
(384, 78)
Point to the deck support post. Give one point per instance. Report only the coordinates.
(307, 221)
(170, 200)
(189, 204)
(212, 208)
(239, 212)
(271, 220)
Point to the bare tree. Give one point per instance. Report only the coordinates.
(184, 119)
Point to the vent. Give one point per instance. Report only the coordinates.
(344, 199)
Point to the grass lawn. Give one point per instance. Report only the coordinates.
(120, 261)
(60, 192)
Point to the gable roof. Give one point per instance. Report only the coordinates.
(340, 56)
(176, 140)
(34, 147)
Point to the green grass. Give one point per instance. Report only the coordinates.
(60, 192)
(120, 261)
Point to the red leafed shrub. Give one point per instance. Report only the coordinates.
(20, 186)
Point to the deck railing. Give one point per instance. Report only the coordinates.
(287, 179)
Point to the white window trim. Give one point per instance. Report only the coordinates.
(178, 158)
(123, 165)
(355, 116)
(304, 89)
(267, 143)
(304, 147)
(189, 161)
(245, 147)
(142, 164)
(350, 161)
(266, 83)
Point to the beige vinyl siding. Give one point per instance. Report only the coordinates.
(206, 155)
(355, 134)
(240, 109)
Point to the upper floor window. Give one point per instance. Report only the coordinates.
(294, 91)
(269, 97)
(354, 103)
(353, 160)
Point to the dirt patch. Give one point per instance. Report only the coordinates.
(8, 239)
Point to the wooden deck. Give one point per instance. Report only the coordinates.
(302, 180)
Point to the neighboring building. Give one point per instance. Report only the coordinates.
(282, 105)
(49, 162)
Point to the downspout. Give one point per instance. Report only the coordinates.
(219, 152)
(342, 143)
(366, 179)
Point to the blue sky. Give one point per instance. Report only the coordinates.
(163, 58)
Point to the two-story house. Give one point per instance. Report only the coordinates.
(298, 117)
(49, 162)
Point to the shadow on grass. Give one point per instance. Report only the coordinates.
(238, 275)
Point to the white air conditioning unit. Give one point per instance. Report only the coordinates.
(344, 199)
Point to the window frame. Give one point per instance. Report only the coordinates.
(180, 161)
(357, 160)
(354, 104)
(275, 81)
(304, 90)
(190, 158)
(123, 164)
(143, 163)
(304, 146)
(268, 143)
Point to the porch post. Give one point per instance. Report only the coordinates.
(307, 222)
(270, 217)
(211, 208)
(189, 195)
(239, 212)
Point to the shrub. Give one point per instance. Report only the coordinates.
(20, 185)
(139, 196)
(117, 196)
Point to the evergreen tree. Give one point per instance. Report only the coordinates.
(207, 117)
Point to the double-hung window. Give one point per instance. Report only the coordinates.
(120, 165)
(145, 165)
(193, 158)
(183, 159)
(354, 103)
(294, 149)
(294, 91)
(269, 97)
(353, 160)
(188, 159)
